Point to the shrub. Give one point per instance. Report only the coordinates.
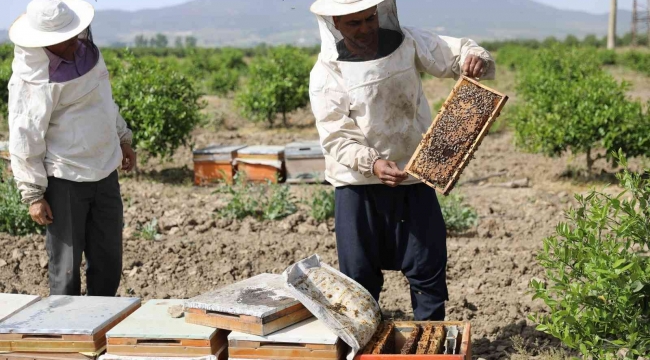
(598, 273)
(322, 205)
(262, 201)
(160, 105)
(458, 216)
(571, 103)
(14, 215)
(278, 83)
(149, 231)
(5, 75)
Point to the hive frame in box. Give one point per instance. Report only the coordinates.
(476, 143)
(465, 346)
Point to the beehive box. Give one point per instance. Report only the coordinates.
(419, 340)
(151, 331)
(305, 162)
(258, 306)
(310, 339)
(64, 324)
(215, 163)
(46, 356)
(455, 135)
(261, 163)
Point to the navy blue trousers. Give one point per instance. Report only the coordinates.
(383, 228)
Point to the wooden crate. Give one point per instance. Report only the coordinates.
(214, 164)
(261, 163)
(455, 135)
(259, 306)
(65, 324)
(310, 339)
(403, 330)
(151, 331)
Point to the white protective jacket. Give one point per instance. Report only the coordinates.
(377, 109)
(69, 130)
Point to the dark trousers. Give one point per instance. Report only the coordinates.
(88, 218)
(382, 228)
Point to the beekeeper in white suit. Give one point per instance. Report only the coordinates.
(67, 140)
(366, 94)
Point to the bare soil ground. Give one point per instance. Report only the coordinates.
(490, 265)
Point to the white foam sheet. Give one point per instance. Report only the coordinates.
(11, 304)
(259, 296)
(152, 321)
(311, 331)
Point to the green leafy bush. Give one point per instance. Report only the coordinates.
(160, 105)
(598, 273)
(571, 103)
(322, 205)
(458, 216)
(14, 215)
(224, 81)
(262, 201)
(5, 75)
(277, 83)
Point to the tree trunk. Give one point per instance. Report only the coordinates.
(611, 36)
(590, 161)
(284, 119)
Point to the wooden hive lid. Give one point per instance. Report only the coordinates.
(152, 321)
(69, 315)
(259, 296)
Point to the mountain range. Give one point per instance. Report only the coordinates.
(251, 22)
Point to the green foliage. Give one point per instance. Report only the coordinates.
(571, 103)
(14, 215)
(278, 83)
(637, 61)
(458, 216)
(262, 201)
(322, 205)
(5, 75)
(149, 231)
(598, 273)
(160, 105)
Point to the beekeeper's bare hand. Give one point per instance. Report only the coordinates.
(389, 173)
(474, 66)
(41, 212)
(128, 157)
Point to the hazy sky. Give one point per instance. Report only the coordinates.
(17, 7)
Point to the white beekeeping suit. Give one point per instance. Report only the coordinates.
(376, 109)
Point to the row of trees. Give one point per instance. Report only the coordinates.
(569, 40)
(161, 41)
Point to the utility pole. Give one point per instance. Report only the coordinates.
(640, 19)
(611, 35)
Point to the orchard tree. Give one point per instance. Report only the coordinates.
(277, 83)
(190, 42)
(160, 105)
(572, 104)
(160, 41)
(141, 41)
(5, 75)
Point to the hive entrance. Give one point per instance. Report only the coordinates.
(455, 134)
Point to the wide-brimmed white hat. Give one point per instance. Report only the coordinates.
(341, 7)
(50, 22)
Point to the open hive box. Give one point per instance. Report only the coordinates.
(64, 324)
(11, 304)
(215, 163)
(152, 332)
(310, 339)
(419, 340)
(455, 135)
(259, 306)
